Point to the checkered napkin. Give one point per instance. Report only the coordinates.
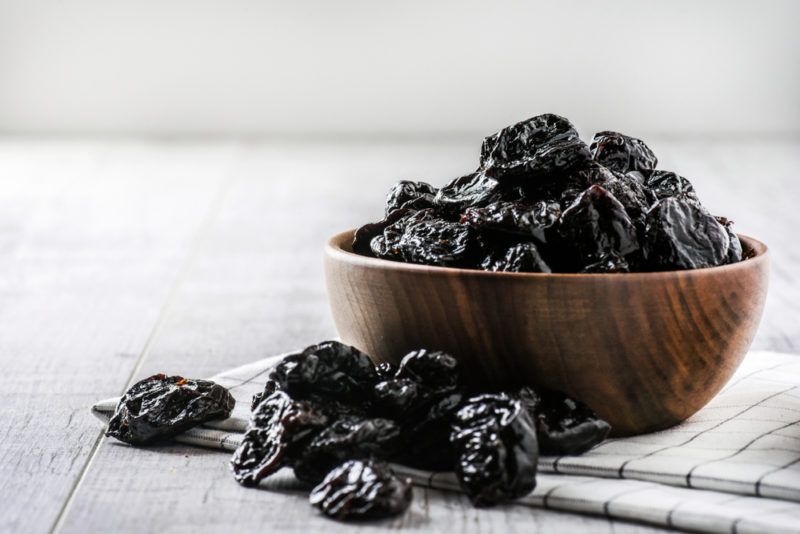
(732, 467)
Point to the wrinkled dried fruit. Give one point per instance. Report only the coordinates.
(622, 153)
(363, 236)
(497, 449)
(681, 234)
(532, 221)
(474, 189)
(610, 263)
(411, 195)
(566, 426)
(432, 368)
(161, 407)
(735, 245)
(387, 244)
(520, 258)
(362, 490)
(439, 242)
(277, 428)
(664, 184)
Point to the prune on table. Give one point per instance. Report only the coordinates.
(664, 184)
(595, 225)
(622, 153)
(497, 449)
(362, 490)
(431, 368)
(439, 242)
(278, 426)
(519, 258)
(348, 438)
(610, 263)
(545, 144)
(735, 244)
(427, 431)
(269, 389)
(475, 189)
(408, 194)
(397, 397)
(363, 236)
(681, 234)
(564, 425)
(533, 221)
(387, 244)
(161, 407)
(329, 369)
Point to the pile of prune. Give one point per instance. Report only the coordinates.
(544, 201)
(337, 420)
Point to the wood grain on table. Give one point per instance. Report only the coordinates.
(119, 259)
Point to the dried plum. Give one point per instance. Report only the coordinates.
(520, 258)
(497, 449)
(664, 184)
(432, 368)
(622, 153)
(330, 369)
(386, 245)
(362, 490)
(363, 236)
(566, 426)
(277, 426)
(735, 244)
(161, 407)
(681, 234)
(475, 189)
(532, 221)
(541, 145)
(595, 225)
(610, 263)
(411, 195)
(348, 438)
(439, 242)
(385, 370)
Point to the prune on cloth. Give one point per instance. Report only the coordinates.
(622, 153)
(348, 438)
(520, 258)
(564, 426)
(596, 225)
(475, 189)
(330, 369)
(497, 449)
(278, 428)
(681, 234)
(542, 145)
(664, 184)
(533, 221)
(161, 407)
(411, 195)
(362, 490)
(438, 242)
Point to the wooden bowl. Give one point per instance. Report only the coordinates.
(644, 350)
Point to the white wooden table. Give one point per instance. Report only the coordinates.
(120, 259)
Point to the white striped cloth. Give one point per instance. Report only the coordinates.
(732, 467)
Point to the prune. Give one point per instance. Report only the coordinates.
(363, 236)
(735, 245)
(431, 368)
(330, 369)
(533, 221)
(474, 189)
(362, 490)
(632, 195)
(622, 153)
(408, 194)
(610, 263)
(497, 449)
(664, 184)
(397, 397)
(385, 370)
(520, 258)
(427, 432)
(269, 388)
(541, 145)
(681, 234)
(161, 407)
(439, 242)
(348, 438)
(277, 427)
(566, 426)
(595, 225)
(387, 244)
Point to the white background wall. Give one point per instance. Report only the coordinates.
(322, 66)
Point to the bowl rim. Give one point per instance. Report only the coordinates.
(334, 249)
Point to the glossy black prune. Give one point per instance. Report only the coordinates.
(475, 189)
(735, 245)
(664, 184)
(610, 263)
(632, 195)
(278, 426)
(545, 144)
(161, 407)
(595, 225)
(386, 245)
(348, 438)
(566, 426)
(330, 369)
(432, 368)
(427, 429)
(412, 195)
(519, 258)
(438, 242)
(533, 221)
(622, 153)
(497, 449)
(362, 490)
(363, 236)
(681, 234)
(385, 370)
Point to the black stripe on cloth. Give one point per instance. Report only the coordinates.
(768, 473)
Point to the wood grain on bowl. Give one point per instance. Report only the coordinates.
(644, 350)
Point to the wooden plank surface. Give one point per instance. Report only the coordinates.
(131, 258)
